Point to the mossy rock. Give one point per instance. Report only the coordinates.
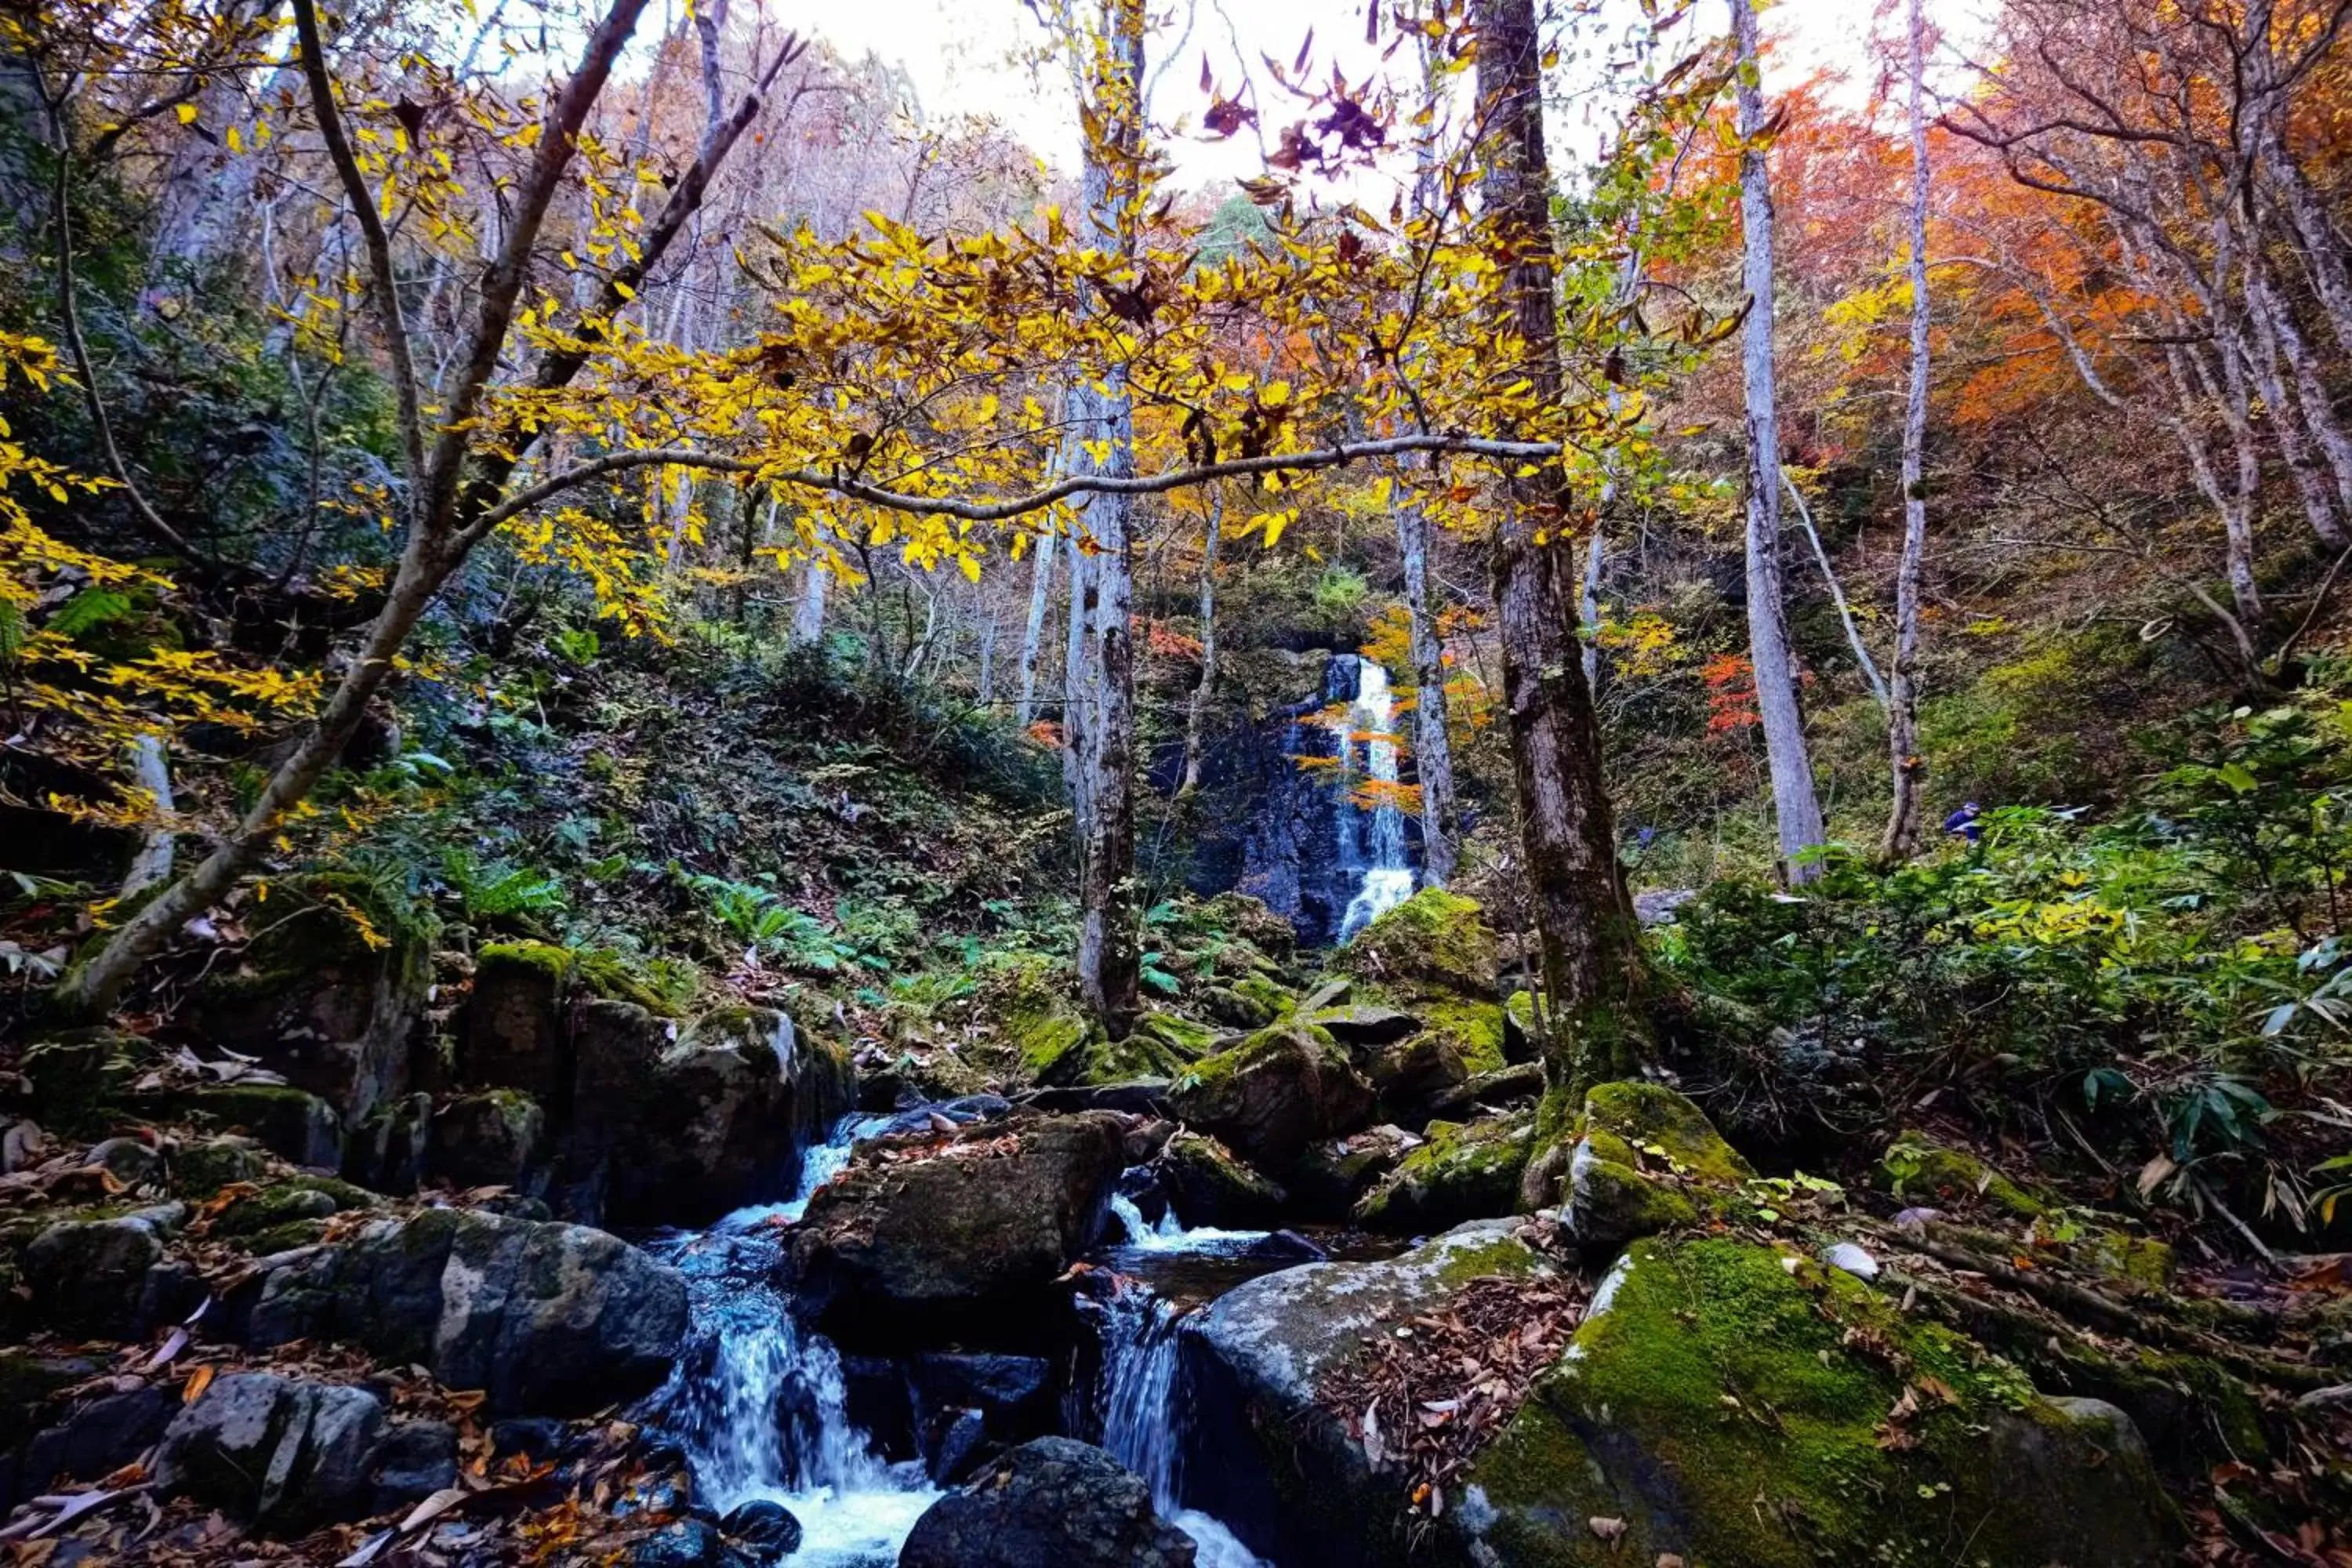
(1435, 937)
(201, 1167)
(491, 1139)
(1462, 1173)
(1922, 1170)
(1522, 1032)
(289, 1203)
(1271, 1096)
(1733, 1404)
(515, 1035)
(2137, 1260)
(1648, 1161)
(1252, 1001)
(1209, 1184)
(297, 1127)
(78, 1078)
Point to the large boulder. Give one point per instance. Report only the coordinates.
(722, 1118)
(491, 1139)
(1433, 939)
(954, 1230)
(326, 995)
(277, 1451)
(1649, 1160)
(1276, 1459)
(109, 1277)
(1286, 1087)
(1461, 1172)
(1050, 1503)
(514, 1034)
(1723, 1402)
(544, 1317)
(1207, 1186)
(299, 1127)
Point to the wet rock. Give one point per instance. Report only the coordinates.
(106, 1277)
(97, 1437)
(386, 1151)
(493, 1139)
(1330, 1178)
(683, 1130)
(956, 1441)
(1015, 1395)
(547, 1318)
(683, 1543)
(947, 1229)
(1273, 1095)
(277, 1451)
(1631, 1425)
(1364, 1023)
(1277, 1464)
(1461, 1172)
(1208, 1185)
(1051, 1503)
(535, 1437)
(1135, 1097)
(317, 1001)
(764, 1531)
(410, 1462)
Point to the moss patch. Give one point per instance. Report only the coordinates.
(1433, 936)
(1462, 1173)
(1916, 1167)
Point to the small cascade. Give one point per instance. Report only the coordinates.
(1378, 847)
(1145, 1415)
(759, 1401)
(1171, 1235)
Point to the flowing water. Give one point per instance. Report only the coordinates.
(759, 1401)
(1380, 848)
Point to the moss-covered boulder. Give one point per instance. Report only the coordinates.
(1648, 1161)
(514, 1034)
(1521, 1028)
(1922, 1170)
(1332, 1176)
(1209, 1185)
(1461, 1172)
(297, 1127)
(75, 1079)
(963, 1232)
(1434, 937)
(326, 995)
(496, 1138)
(109, 1276)
(289, 1214)
(1286, 1087)
(199, 1167)
(1725, 1403)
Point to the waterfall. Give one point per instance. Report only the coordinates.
(759, 1401)
(1171, 1235)
(1387, 876)
(1146, 1414)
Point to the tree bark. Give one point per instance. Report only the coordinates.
(1196, 717)
(1109, 959)
(1796, 810)
(1903, 695)
(1032, 634)
(1432, 743)
(1592, 974)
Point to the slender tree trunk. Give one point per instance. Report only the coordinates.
(1587, 605)
(1032, 636)
(808, 616)
(1079, 693)
(1584, 921)
(1903, 696)
(1432, 744)
(1796, 810)
(987, 683)
(1197, 718)
(1109, 959)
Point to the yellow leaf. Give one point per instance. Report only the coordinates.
(187, 114)
(970, 565)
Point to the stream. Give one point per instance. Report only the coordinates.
(1375, 851)
(761, 1404)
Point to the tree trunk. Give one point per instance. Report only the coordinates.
(808, 616)
(1197, 717)
(1032, 636)
(1432, 745)
(1584, 922)
(1108, 956)
(1796, 810)
(1903, 695)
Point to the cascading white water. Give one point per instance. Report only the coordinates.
(1171, 1235)
(1144, 1413)
(759, 1403)
(1387, 876)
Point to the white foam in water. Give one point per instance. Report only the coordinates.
(1143, 1416)
(1171, 1236)
(1387, 876)
(760, 1404)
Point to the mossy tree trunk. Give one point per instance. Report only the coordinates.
(1595, 1025)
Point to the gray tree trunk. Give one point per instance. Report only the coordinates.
(1032, 634)
(1432, 746)
(1796, 809)
(1196, 719)
(1903, 695)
